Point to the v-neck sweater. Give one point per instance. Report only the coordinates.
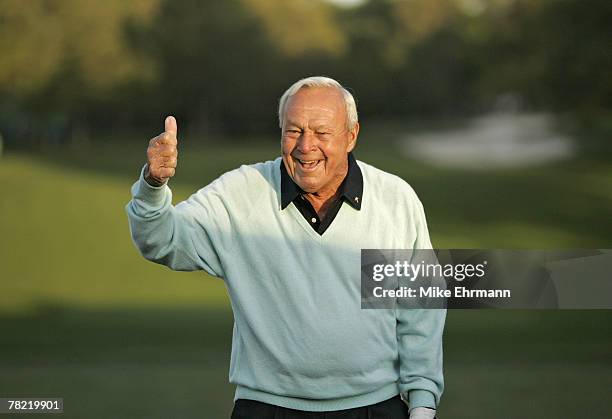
(301, 339)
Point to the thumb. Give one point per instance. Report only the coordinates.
(170, 125)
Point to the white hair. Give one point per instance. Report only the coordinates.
(319, 81)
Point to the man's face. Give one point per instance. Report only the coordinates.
(316, 140)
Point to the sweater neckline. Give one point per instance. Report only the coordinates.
(299, 218)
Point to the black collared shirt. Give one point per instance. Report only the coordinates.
(351, 191)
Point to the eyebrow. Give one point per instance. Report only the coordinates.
(292, 124)
(322, 125)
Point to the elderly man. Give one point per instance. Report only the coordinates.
(285, 236)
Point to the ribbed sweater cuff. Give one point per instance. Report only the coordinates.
(421, 398)
(152, 195)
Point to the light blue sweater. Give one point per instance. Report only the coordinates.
(300, 338)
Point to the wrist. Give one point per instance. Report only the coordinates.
(152, 181)
(422, 413)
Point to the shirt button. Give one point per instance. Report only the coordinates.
(314, 220)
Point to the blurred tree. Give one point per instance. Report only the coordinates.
(213, 61)
(408, 54)
(556, 55)
(574, 38)
(66, 56)
(224, 64)
(32, 47)
(40, 39)
(300, 27)
(220, 66)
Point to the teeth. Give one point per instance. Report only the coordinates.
(307, 162)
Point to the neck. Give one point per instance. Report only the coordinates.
(322, 200)
(321, 205)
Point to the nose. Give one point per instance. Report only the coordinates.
(306, 142)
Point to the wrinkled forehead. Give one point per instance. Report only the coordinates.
(316, 103)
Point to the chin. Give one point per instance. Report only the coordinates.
(308, 187)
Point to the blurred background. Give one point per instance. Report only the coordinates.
(497, 112)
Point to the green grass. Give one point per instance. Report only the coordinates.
(84, 317)
(154, 363)
(120, 363)
(66, 241)
(65, 235)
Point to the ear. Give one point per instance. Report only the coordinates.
(353, 138)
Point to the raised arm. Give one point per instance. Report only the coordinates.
(180, 236)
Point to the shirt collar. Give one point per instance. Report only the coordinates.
(351, 187)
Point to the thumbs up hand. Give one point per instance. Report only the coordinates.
(162, 155)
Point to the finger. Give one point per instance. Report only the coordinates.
(170, 125)
(159, 162)
(169, 162)
(166, 172)
(161, 150)
(164, 150)
(166, 138)
(165, 161)
(159, 169)
(156, 142)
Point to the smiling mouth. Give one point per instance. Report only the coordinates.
(308, 164)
